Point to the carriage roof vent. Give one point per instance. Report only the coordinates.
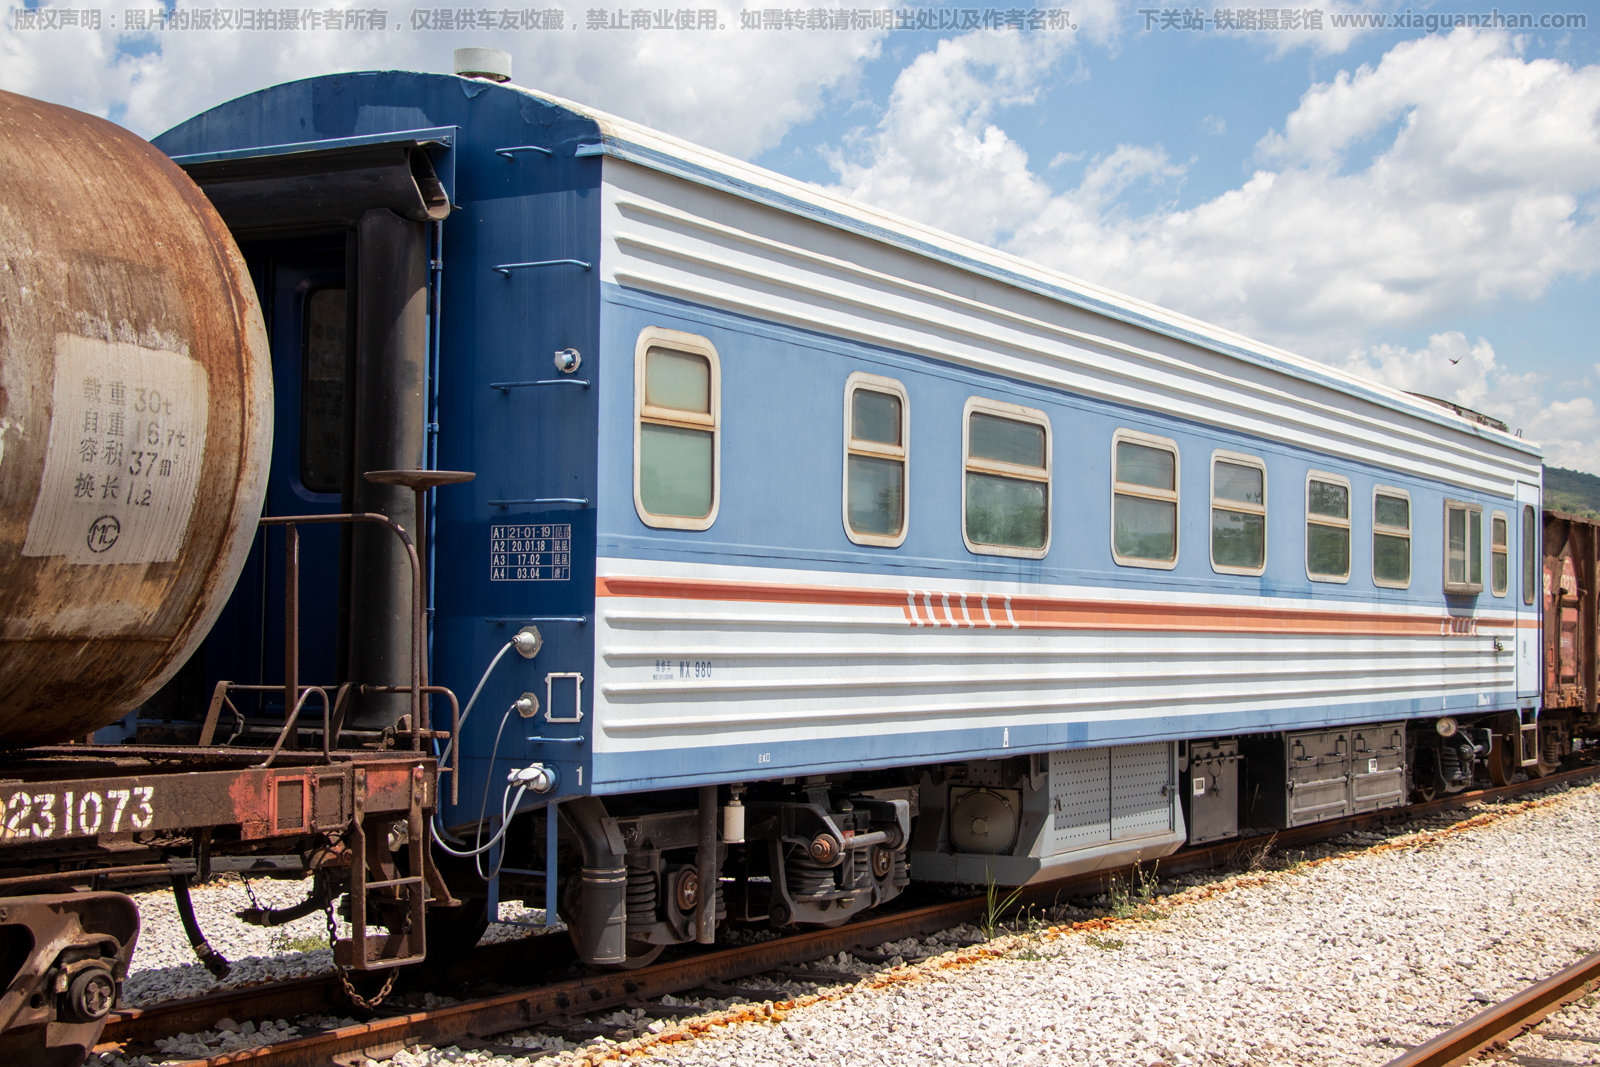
(491, 64)
(1467, 413)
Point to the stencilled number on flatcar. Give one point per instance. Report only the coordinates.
(73, 814)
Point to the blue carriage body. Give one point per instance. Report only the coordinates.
(772, 645)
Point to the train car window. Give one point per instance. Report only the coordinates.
(1005, 495)
(677, 437)
(1463, 547)
(1530, 554)
(1391, 538)
(1499, 554)
(877, 432)
(322, 374)
(1327, 527)
(1238, 514)
(1144, 500)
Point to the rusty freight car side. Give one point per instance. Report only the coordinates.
(1570, 606)
(1571, 602)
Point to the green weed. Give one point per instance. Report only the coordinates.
(995, 906)
(1135, 898)
(283, 941)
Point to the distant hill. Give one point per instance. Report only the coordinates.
(1572, 491)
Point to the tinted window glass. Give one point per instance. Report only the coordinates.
(1005, 440)
(1392, 511)
(1326, 498)
(876, 486)
(1530, 558)
(1328, 550)
(876, 417)
(1238, 539)
(1142, 465)
(322, 436)
(679, 380)
(1391, 558)
(1006, 511)
(1146, 529)
(1235, 482)
(675, 476)
(1456, 545)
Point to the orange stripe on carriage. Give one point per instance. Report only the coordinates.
(928, 608)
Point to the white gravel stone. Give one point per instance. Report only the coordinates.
(164, 967)
(1341, 961)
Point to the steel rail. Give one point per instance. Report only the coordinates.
(1505, 1020)
(602, 992)
(288, 998)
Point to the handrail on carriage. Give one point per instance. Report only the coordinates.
(295, 695)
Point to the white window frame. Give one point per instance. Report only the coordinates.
(1151, 440)
(1017, 413)
(660, 337)
(1238, 459)
(1394, 531)
(1348, 523)
(1468, 587)
(1506, 520)
(873, 383)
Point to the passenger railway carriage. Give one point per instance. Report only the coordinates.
(841, 550)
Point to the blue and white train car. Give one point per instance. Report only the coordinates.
(855, 550)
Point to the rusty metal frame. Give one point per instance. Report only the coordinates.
(454, 770)
(291, 614)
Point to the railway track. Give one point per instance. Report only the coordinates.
(560, 1003)
(1500, 1024)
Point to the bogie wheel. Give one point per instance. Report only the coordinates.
(1503, 762)
(453, 932)
(1541, 769)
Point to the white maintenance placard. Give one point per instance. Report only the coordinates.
(536, 553)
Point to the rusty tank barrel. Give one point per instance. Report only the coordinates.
(135, 420)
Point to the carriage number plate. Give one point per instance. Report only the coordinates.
(41, 816)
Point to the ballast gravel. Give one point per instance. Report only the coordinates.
(1348, 959)
(164, 966)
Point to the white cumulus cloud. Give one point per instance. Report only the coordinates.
(1453, 174)
(736, 90)
(1470, 374)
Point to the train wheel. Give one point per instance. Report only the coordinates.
(1541, 769)
(1502, 760)
(453, 932)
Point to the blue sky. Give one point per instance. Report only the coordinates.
(1384, 200)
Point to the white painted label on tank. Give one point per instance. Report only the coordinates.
(127, 442)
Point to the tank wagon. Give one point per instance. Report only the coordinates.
(800, 550)
(136, 426)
